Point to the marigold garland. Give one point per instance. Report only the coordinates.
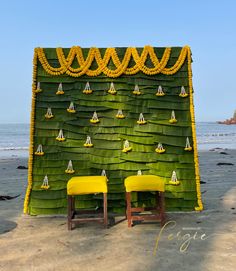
(31, 145)
(111, 53)
(196, 162)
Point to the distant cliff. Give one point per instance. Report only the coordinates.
(229, 121)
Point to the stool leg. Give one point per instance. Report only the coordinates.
(128, 208)
(158, 201)
(72, 207)
(105, 209)
(69, 215)
(162, 208)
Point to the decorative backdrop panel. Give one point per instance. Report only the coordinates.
(119, 112)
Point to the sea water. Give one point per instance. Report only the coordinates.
(14, 138)
(212, 135)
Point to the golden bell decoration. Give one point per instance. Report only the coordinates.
(87, 89)
(88, 143)
(120, 114)
(60, 90)
(94, 118)
(174, 180)
(60, 136)
(38, 88)
(136, 90)
(112, 89)
(127, 147)
(49, 114)
(71, 108)
(183, 93)
(139, 173)
(160, 148)
(172, 118)
(160, 92)
(188, 146)
(45, 185)
(141, 119)
(39, 150)
(69, 169)
(103, 173)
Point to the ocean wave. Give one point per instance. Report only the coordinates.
(217, 134)
(13, 148)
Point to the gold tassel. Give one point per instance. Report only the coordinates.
(60, 136)
(60, 90)
(45, 185)
(183, 93)
(127, 147)
(39, 150)
(88, 143)
(120, 114)
(160, 148)
(174, 180)
(112, 89)
(136, 90)
(87, 89)
(141, 119)
(94, 118)
(69, 169)
(188, 146)
(173, 119)
(71, 108)
(49, 114)
(160, 92)
(38, 89)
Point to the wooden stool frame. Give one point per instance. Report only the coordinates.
(159, 208)
(72, 213)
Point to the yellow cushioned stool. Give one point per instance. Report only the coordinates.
(81, 186)
(142, 183)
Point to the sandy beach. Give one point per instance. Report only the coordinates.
(191, 241)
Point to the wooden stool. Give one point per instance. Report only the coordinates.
(141, 183)
(81, 186)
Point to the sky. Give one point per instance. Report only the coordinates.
(208, 27)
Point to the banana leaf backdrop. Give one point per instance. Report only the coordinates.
(109, 134)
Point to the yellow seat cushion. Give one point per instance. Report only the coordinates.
(144, 183)
(87, 185)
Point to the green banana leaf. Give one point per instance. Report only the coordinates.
(108, 136)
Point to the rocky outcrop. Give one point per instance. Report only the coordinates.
(229, 121)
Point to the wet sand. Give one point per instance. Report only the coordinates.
(192, 241)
